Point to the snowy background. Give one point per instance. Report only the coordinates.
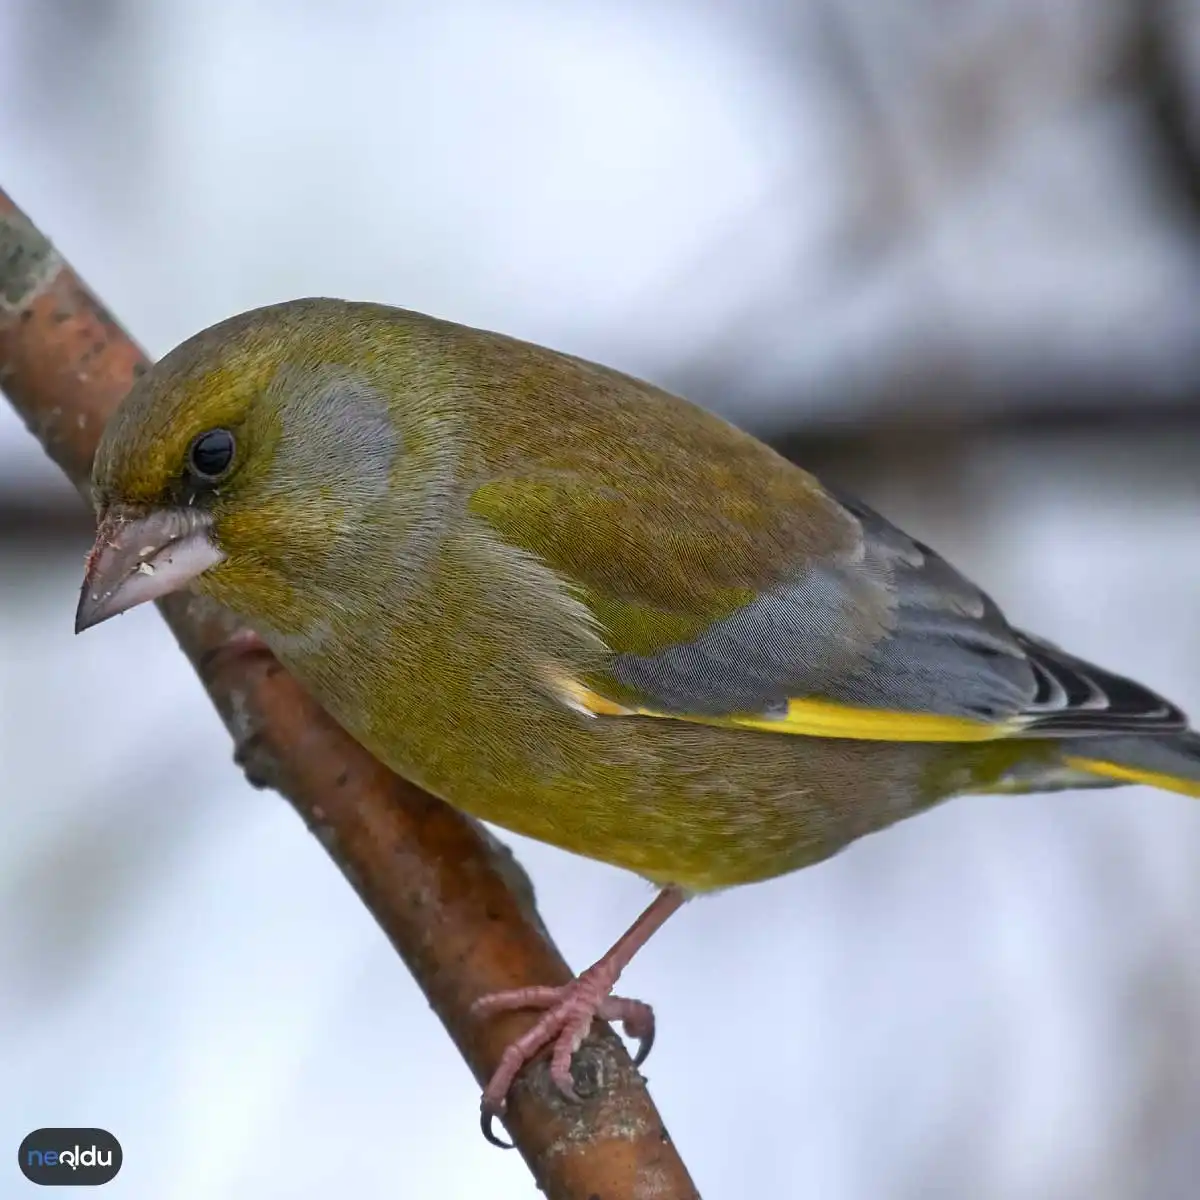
(973, 226)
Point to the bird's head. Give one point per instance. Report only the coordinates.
(258, 459)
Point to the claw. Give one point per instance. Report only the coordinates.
(637, 1020)
(567, 1015)
(486, 1116)
(645, 1045)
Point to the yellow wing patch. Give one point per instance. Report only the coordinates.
(824, 718)
(1154, 779)
(811, 718)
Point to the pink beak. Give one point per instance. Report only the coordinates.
(140, 556)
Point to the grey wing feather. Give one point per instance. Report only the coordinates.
(893, 627)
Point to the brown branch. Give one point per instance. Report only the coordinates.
(452, 901)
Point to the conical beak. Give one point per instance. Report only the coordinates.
(140, 556)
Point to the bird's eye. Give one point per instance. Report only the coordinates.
(211, 455)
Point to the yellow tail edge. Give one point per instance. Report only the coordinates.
(1155, 779)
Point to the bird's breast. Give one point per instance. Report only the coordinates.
(449, 689)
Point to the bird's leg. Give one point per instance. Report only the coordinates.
(569, 1011)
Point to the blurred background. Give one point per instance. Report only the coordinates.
(945, 253)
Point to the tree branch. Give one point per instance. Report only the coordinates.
(453, 902)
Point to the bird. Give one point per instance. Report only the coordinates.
(577, 606)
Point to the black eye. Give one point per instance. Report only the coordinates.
(211, 455)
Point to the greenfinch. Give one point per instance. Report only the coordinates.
(579, 607)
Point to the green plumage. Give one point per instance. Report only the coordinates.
(435, 527)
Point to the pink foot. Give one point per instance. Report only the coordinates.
(568, 1017)
(569, 1011)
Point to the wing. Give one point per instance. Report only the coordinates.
(814, 617)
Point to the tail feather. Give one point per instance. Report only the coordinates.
(1170, 762)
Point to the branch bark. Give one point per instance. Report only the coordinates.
(452, 900)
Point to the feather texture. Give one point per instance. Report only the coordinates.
(881, 639)
(582, 608)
